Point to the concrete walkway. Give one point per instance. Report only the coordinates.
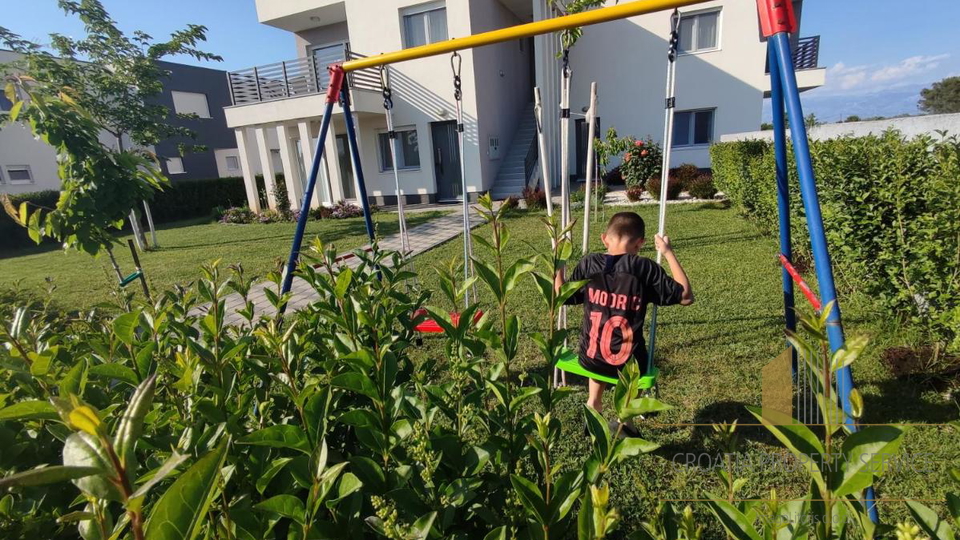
(422, 238)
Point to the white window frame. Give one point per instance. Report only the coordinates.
(417, 10)
(693, 124)
(719, 46)
(13, 182)
(381, 158)
(226, 162)
(206, 101)
(178, 160)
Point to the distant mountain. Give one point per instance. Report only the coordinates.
(832, 108)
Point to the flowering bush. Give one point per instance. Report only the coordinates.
(343, 210)
(640, 159)
(238, 214)
(641, 162)
(634, 193)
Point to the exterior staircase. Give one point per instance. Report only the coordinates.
(520, 160)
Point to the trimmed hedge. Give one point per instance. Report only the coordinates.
(180, 200)
(197, 198)
(890, 208)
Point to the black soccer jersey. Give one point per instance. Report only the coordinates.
(614, 306)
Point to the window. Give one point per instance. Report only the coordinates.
(175, 166)
(423, 24)
(408, 150)
(19, 175)
(693, 127)
(233, 163)
(700, 32)
(190, 103)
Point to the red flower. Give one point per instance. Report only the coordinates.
(638, 143)
(626, 157)
(644, 153)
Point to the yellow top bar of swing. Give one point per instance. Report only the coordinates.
(596, 16)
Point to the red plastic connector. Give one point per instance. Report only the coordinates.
(776, 16)
(336, 82)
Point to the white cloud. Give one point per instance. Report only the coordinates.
(844, 79)
(908, 67)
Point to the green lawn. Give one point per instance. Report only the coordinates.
(83, 281)
(710, 355)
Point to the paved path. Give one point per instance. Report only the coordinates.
(422, 238)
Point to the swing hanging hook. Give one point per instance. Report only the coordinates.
(385, 89)
(456, 62)
(674, 35)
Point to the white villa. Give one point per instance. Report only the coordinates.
(277, 108)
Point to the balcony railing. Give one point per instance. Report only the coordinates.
(293, 78)
(806, 54)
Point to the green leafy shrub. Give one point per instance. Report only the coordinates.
(635, 193)
(282, 197)
(511, 202)
(674, 187)
(596, 191)
(884, 200)
(701, 187)
(170, 423)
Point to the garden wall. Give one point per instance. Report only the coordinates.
(908, 126)
(890, 208)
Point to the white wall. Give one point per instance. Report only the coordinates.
(502, 85)
(628, 60)
(908, 126)
(18, 147)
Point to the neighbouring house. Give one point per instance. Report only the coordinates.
(27, 164)
(721, 84)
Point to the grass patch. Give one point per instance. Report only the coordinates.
(710, 356)
(83, 281)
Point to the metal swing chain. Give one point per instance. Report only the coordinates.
(669, 105)
(387, 94)
(456, 63)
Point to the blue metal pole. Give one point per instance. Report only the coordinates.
(818, 240)
(783, 190)
(355, 157)
(305, 203)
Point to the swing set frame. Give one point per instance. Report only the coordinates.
(777, 22)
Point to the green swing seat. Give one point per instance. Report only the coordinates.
(569, 363)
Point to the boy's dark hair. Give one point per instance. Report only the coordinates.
(627, 225)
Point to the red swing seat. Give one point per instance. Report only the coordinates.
(430, 326)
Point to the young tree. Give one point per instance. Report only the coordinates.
(941, 98)
(115, 78)
(99, 184)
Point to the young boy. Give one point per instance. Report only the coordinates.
(616, 297)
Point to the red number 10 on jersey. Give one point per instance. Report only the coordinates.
(605, 337)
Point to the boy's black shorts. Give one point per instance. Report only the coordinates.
(608, 370)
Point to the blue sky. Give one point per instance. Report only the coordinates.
(879, 53)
